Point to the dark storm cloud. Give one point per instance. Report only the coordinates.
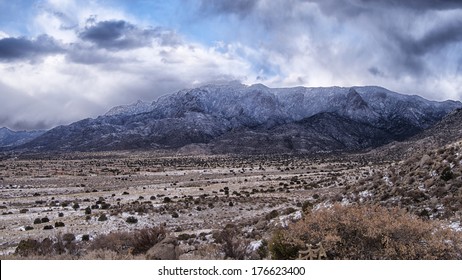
(25, 49)
(417, 4)
(238, 7)
(122, 35)
(355, 7)
(435, 39)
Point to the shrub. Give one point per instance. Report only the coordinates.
(144, 239)
(102, 218)
(48, 247)
(68, 237)
(132, 220)
(59, 224)
(184, 236)
(233, 247)
(105, 205)
(27, 247)
(262, 251)
(118, 242)
(282, 247)
(447, 174)
(271, 215)
(137, 242)
(368, 232)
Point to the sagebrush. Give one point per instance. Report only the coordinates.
(368, 232)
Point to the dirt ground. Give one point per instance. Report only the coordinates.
(44, 196)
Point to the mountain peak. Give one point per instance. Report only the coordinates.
(137, 107)
(214, 114)
(354, 100)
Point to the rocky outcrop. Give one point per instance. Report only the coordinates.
(167, 249)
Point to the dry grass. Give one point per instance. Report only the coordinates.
(368, 232)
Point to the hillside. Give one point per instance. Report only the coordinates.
(241, 119)
(447, 131)
(428, 184)
(10, 138)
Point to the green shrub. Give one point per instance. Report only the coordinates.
(131, 220)
(102, 218)
(307, 206)
(282, 247)
(184, 236)
(262, 251)
(271, 215)
(447, 174)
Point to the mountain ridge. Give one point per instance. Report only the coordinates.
(212, 114)
(11, 138)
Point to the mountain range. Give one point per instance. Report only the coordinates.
(235, 118)
(10, 138)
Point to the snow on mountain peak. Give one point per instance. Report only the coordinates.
(210, 112)
(132, 109)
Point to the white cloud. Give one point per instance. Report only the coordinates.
(85, 81)
(278, 43)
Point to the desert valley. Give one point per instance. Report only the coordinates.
(197, 176)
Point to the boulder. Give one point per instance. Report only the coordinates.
(167, 249)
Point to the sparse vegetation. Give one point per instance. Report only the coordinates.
(368, 232)
(188, 194)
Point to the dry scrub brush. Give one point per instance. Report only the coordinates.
(137, 242)
(368, 232)
(114, 245)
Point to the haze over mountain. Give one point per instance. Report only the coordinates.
(253, 119)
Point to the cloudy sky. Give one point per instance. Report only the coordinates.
(63, 60)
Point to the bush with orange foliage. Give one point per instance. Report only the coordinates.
(368, 232)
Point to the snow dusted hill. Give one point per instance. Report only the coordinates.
(10, 138)
(136, 108)
(239, 118)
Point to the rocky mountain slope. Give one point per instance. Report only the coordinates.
(10, 138)
(427, 184)
(136, 108)
(241, 119)
(445, 132)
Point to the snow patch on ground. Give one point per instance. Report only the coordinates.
(387, 181)
(456, 226)
(286, 219)
(254, 245)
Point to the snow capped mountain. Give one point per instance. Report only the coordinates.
(283, 119)
(135, 108)
(10, 138)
